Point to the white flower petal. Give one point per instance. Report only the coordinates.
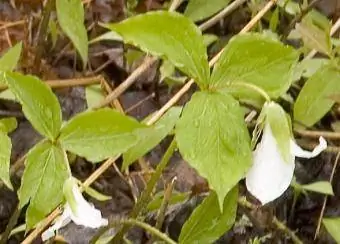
(299, 152)
(269, 175)
(85, 214)
(60, 222)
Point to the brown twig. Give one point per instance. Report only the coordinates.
(325, 199)
(55, 84)
(12, 24)
(317, 134)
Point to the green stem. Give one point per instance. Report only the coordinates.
(145, 197)
(133, 222)
(12, 222)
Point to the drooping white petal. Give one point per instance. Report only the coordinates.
(299, 152)
(85, 213)
(269, 175)
(60, 222)
(76, 209)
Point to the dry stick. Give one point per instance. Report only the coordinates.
(334, 29)
(11, 24)
(325, 199)
(230, 8)
(55, 84)
(317, 134)
(150, 61)
(154, 118)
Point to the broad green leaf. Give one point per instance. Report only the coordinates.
(307, 67)
(10, 59)
(333, 226)
(151, 136)
(255, 59)
(314, 100)
(94, 94)
(323, 187)
(42, 183)
(277, 119)
(207, 223)
(39, 104)
(5, 157)
(176, 197)
(171, 35)
(97, 135)
(202, 9)
(314, 38)
(7, 125)
(71, 20)
(213, 137)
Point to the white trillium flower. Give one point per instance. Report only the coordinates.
(78, 210)
(270, 175)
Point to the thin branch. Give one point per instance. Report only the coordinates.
(225, 12)
(317, 134)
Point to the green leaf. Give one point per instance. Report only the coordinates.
(94, 95)
(151, 136)
(209, 39)
(71, 20)
(258, 60)
(39, 104)
(314, 100)
(7, 125)
(10, 59)
(307, 67)
(108, 36)
(274, 20)
(314, 38)
(213, 137)
(333, 225)
(176, 197)
(168, 34)
(53, 31)
(323, 187)
(5, 157)
(277, 119)
(97, 135)
(202, 9)
(42, 183)
(7, 95)
(96, 195)
(206, 224)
